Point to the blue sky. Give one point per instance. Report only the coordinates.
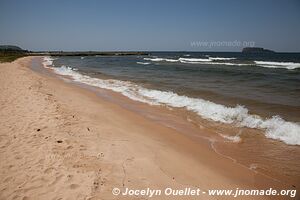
(150, 25)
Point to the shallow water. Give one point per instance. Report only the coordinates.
(245, 134)
(264, 85)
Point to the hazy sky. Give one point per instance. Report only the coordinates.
(150, 25)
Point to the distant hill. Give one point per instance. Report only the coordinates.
(10, 48)
(256, 50)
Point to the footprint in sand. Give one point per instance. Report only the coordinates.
(69, 177)
(96, 185)
(74, 186)
(100, 155)
(48, 170)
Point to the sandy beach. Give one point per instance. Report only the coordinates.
(60, 141)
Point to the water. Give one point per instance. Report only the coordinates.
(257, 96)
(224, 87)
(239, 78)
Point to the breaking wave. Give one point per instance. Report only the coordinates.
(208, 61)
(47, 62)
(161, 59)
(220, 58)
(222, 61)
(143, 63)
(285, 65)
(189, 60)
(275, 127)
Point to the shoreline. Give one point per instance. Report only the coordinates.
(82, 146)
(246, 146)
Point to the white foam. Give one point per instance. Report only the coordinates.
(234, 139)
(161, 59)
(286, 65)
(275, 127)
(253, 166)
(66, 71)
(47, 61)
(194, 59)
(220, 58)
(214, 61)
(124, 87)
(211, 61)
(208, 61)
(218, 63)
(232, 64)
(143, 63)
(171, 60)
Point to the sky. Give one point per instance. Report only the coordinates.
(140, 25)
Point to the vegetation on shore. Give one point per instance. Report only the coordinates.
(10, 57)
(9, 53)
(86, 53)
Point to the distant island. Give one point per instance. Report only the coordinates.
(256, 50)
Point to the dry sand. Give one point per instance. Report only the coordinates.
(59, 141)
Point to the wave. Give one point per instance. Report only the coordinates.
(220, 58)
(194, 59)
(218, 61)
(286, 65)
(209, 60)
(179, 60)
(143, 63)
(274, 128)
(48, 61)
(161, 59)
(206, 60)
(66, 71)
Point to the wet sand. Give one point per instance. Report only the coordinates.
(245, 146)
(59, 140)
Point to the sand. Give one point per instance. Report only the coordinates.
(60, 141)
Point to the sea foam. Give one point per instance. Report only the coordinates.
(218, 61)
(209, 59)
(286, 65)
(194, 59)
(220, 58)
(274, 127)
(161, 59)
(234, 139)
(143, 63)
(47, 61)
